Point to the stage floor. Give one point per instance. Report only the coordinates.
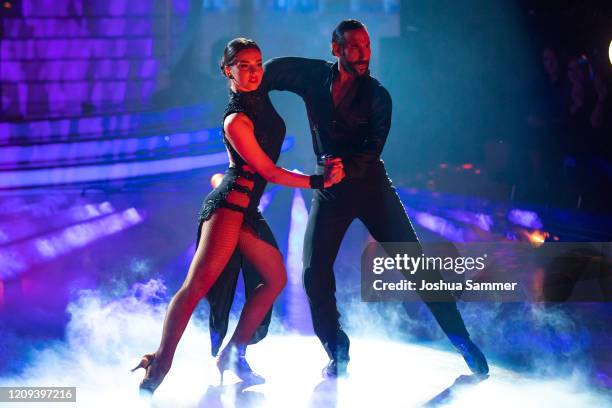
(69, 318)
(383, 373)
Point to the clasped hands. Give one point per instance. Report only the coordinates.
(333, 171)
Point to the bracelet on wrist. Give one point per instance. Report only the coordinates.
(317, 182)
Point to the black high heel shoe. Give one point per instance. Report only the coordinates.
(233, 359)
(150, 382)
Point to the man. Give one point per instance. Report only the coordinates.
(349, 113)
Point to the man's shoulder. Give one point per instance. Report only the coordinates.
(378, 90)
(306, 63)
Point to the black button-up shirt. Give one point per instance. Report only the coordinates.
(355, 130)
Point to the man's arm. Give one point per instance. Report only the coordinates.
(380, 122)
(292, 74)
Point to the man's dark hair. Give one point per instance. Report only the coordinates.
(343, 27)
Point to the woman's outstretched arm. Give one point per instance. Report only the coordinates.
(240, 133)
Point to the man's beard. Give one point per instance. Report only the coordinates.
(351, 68)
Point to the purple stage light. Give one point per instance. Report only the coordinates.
(50, 217)
(54, 129)
(71, 152)
(440, 226)
(524, 218)
(52, 27)
(79, 174)
(22, 256)
(148, 68)
(267, 197)
(79, 48)
(482, 221)
(113, 171)
(298, 315)
(3, 236)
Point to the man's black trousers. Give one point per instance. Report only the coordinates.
(374, 201)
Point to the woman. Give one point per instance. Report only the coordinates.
(253, 134)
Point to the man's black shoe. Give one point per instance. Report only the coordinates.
(472, 355)
(335, 369)
(474, 358)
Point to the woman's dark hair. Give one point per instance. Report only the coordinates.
(233, 48)
(343, 27)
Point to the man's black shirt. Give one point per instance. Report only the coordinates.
(355, 130)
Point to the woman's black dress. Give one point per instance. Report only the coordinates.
(269, 129)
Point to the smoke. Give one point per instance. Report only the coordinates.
(545, 340)
(109, 332)
(528, 337)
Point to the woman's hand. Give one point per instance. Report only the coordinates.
(333, 172)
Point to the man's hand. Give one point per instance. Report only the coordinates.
(333, 172)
